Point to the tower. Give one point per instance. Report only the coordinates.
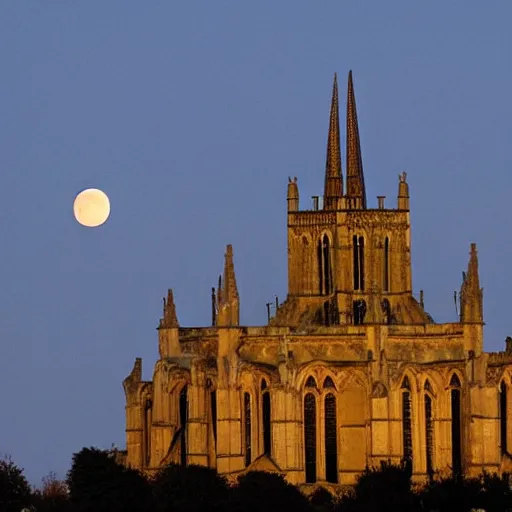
(342, 256)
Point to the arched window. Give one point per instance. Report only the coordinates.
(183, 425)
(429, 429)
(359, 311)
(456, 424)
(331, 445)
(503, 417)
(327, 265)
(324, 265)
(311, 382)
(310, 436)
(407, 421)
(148, 420)
(265, 414)
(319, 256)
(358, 257)
(213, 412)
(328, 383)
(247, 429)
(385, 266)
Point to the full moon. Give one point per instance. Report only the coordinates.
(91, 207)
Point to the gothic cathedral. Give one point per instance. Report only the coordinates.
(350, 371)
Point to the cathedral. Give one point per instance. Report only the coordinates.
(350, 371)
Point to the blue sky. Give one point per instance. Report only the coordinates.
(191, 116)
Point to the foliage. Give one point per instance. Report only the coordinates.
(53, 497)
(382, 489)
(98, 483)
(322, 500)
(189, 488)
(259, 490)
(15, 492)
(457, 494)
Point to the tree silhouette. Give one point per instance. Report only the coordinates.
(15, 492)
(259, 490)
(97, 483)
(189, 488)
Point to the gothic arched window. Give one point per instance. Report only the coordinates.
(247, 429)
(324, 265)
(385, 266)
(429, 428)
(311, 382)
(310, 436)
(328, 383)
(503, 417)
(319, 257)
(358, 257)
(331, 445)
(183, 425)
(148, 420)
(266, 416)
(213, 415)
(407, 421)
(456, 424)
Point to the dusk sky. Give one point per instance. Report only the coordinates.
(191, 116)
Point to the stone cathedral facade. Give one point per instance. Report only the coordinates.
(351, 370)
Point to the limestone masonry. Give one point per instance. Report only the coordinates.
(350, 371)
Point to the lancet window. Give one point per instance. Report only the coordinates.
(456, 430)
(330, 432)
(358, 257)
(148, 410)
(406, 421)
(320, 430)
(183, 425)
(503, 417)
(247, 428)
(429, 428)
(385, 266)
(324, 265)
(266, 417)
(213, 415)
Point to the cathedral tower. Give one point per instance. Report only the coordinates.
(345, 254)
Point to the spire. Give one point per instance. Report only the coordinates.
(356, 191)
(228, 314)
(169, 319)
(471, 295)
(333, 190)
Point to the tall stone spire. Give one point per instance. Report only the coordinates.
(471, 295)
(229, 308)
(333, 190)
(356, 192)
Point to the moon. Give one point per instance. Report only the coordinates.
(91, 207)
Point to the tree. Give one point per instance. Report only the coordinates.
(98, 483)
(53, 497)
(15, 492)
(322, 500)
(382, 489)
(189, 488)
(259, 490)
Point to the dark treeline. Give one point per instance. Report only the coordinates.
(96, 482)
